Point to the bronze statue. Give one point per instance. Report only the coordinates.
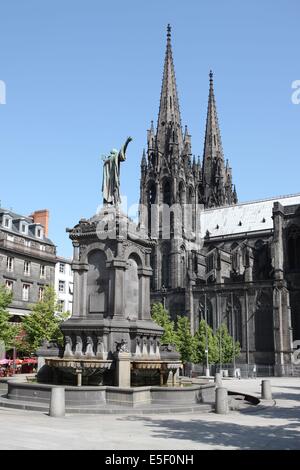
(111, 174)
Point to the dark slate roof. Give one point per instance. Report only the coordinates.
(27, 219)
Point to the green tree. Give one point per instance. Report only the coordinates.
(185, 341)
(44, 321)
(161, 317)
(227, 349)
(8, 330)
(204, 338)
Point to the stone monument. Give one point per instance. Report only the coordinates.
(110, 338)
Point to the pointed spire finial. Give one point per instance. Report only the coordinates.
(169, 29)
(211, 80)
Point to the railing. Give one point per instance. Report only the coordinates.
(27, 250)
(246, 370)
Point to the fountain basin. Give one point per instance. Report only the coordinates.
(84, 398)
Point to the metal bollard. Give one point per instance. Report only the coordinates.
(57, 402)
(221, 401)
(218, 379)
(266, 391)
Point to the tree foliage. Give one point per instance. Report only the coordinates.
(205, 339)
(221, 347)
(227, 348)
(185, 341)
(44, 321)
(8, 330)
(161, 317)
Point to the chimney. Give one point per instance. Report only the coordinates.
(41, 217)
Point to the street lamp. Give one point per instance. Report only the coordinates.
(232, 313)
(207, 373)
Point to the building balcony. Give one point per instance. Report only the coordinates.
(16, 247)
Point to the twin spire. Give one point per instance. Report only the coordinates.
(216, 176)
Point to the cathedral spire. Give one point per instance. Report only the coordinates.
(213, 151)
(214, 172)
(169, 122)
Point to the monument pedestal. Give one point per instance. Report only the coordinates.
(123, 369)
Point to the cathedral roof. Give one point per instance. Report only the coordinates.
(247, 217)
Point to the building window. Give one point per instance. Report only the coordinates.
(41, 293)
(7, 223)
(61, 286)
(62, 268)
(25, 292)
(9, 285)
(42, 271)
(61, 305)
(10, 264)
(210, 263)
(39, 233)
(23, 228)
(27, 268)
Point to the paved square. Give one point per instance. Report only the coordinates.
(276, 427)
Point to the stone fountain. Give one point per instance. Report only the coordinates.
(112, 353)
(110, 338)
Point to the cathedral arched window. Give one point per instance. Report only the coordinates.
(235, 257)
(152, 156)
(293, 242)
(210, 261)
(183, 267)
(206, 315)
(262, 267)
(234, 319)
(151, 200)
(190, 197)
(167, 192)
(165, 265)
(295, 314)
(264, 340)
(181, 193)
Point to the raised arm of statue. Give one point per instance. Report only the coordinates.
(111, 174)
(122, 153)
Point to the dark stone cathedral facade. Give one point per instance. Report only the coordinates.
(244, 268)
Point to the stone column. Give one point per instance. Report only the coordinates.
(117, 292)
(123, 369)
(281, 304)
(247, 326)
(221, 401)
(57, 402)
(144, 293)
(266, 391)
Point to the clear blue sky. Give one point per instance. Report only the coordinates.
(82, 75)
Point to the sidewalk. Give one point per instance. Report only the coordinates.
(275, 427)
